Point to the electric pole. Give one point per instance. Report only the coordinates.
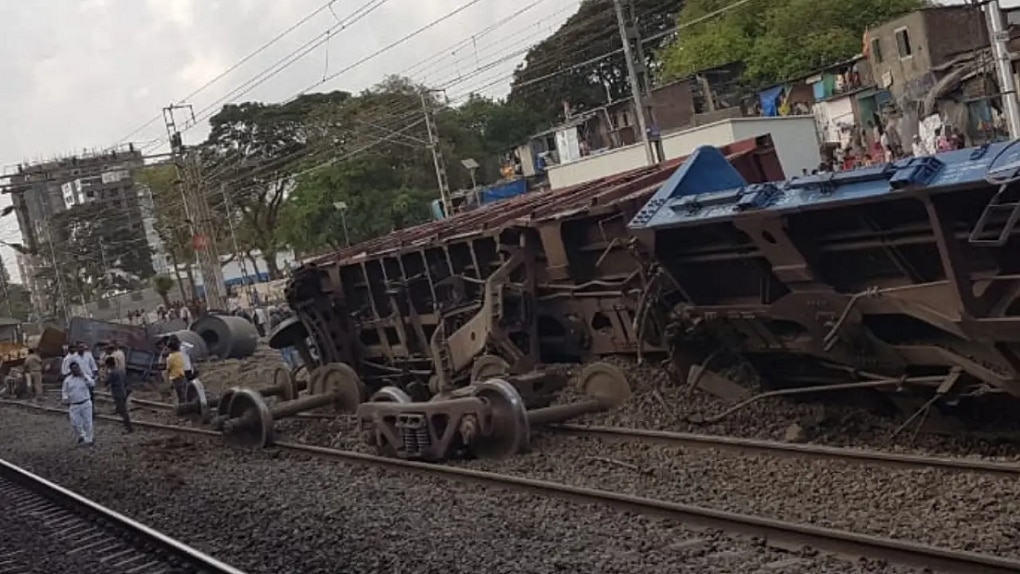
(437, 155)
(57, 273)
(250, 287)
(1000, 53)
(196, 210)
(3, 283)
(628, 31)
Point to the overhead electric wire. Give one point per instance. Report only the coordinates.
(257, 80)
(391, 45)
(233, 67)
(474, 37)
(281, 64)
(492, 64)
(386, 48)
(373, 55)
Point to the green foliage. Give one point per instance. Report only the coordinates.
(584, 78)
(285, 166)
(171, 223)
(377, 204)
(98, 257)
(163, 284)
(776, 39)
(254, 149)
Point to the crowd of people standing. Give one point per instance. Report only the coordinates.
(81, 372)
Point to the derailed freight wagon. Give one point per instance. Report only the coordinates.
(546, 277)
(902, 278)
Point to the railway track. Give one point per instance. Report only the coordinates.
(47, 528)
(777, 532)
(751, 446)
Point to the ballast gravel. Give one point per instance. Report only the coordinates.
(267, 511)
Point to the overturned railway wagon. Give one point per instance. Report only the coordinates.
(542, 278)
(903, 277)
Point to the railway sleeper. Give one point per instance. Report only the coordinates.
(485, 419)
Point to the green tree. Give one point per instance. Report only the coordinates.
(163, 284)
(171, 223)
(482, 129)
(16, 300)
(569, 65)
(776, 39)
(102, 258)
(287, 166)
(255, 149)
(376, 202)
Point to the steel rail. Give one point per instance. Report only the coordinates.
(775, 448)
(777, 532)
(157, 405)
(758, 446)
(136, 536)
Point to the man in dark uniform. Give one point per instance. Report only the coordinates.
(117, 379)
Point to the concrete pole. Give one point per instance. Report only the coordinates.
(635, 86)
(1007, 81)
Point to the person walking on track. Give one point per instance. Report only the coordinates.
(116, 378)
(76, 393)
(175, 371)
(33, 368)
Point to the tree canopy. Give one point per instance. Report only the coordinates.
(98, 258)
(776, 39)
(572, 64)
(285, 168)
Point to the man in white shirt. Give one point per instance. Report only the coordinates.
(189, 370)
(261, 321)
(81, 355)
(69, 357)
(76, 394)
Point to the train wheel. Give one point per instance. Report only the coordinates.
(488, 367)
(339, 379)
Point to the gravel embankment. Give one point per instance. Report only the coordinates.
(964, 511)
(662, 401)
(274, 513)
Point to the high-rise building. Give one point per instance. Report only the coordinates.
(80, 219)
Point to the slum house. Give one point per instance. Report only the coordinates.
(703, 98)
(838, 97)
(934, 69)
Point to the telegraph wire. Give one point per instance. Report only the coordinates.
(236, 65)
(512, 55)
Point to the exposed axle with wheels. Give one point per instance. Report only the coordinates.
(198, 406)
(488, 418)
(249, 420)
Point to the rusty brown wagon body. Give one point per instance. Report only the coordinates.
(544, 277)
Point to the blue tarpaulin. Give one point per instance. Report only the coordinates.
(504, 191)
(770, 101)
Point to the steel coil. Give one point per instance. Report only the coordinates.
(226, 336)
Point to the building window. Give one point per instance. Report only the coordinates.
(876, 50)
(903, 43)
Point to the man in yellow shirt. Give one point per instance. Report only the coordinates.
(175, 371)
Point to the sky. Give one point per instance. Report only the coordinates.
(83, 74)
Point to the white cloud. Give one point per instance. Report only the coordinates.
(201, 69)
(94, 6)
(179, 12)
